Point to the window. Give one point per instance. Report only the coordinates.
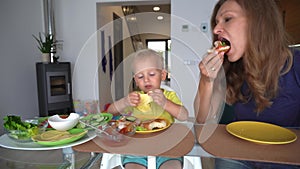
(163, 46)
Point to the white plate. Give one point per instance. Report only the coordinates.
(6, 142)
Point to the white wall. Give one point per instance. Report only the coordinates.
(188, 46)
(18, 86)
(76, 26)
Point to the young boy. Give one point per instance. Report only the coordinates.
(148, 69)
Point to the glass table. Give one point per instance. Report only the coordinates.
(36, 159)
(221, 144)
(176, 141)
(182, 140)
(32, 155)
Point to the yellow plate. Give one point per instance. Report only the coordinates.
(152, 131)
(260, 132)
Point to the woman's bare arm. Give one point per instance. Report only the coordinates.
(209, 67)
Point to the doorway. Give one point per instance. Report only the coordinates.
(163, 46)
(122, 45)
(118, 56)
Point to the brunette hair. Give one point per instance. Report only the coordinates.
(266, 57)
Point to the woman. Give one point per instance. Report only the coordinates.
(262, 72)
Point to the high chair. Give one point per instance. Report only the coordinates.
(113, 161)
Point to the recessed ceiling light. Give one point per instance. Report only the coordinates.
(156, 8)
(160, 17)
(131, 18)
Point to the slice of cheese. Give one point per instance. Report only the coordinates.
(144, 105)
(53, 135)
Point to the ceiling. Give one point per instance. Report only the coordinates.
(139, 21)
(166, 8)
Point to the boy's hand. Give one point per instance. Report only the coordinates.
(158, 97)
(132, 99)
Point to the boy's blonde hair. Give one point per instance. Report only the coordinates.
(148, 54)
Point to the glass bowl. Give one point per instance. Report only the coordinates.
(111, 135)
(22, 135)
(25, 135)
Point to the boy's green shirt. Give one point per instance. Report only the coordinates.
(156, 111)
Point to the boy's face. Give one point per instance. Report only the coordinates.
(148, 77)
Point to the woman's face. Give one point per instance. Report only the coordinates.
(231, 24)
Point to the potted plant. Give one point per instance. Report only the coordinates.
(45, 44)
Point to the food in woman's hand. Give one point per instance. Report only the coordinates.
(220, 46)
(153, 124)
(144, 105)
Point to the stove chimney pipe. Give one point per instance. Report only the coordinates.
(49, 24)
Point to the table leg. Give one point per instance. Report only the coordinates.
(68, 159)
(94, 157)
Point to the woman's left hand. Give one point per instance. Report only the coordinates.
(158, 97)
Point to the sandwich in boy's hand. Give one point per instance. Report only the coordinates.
(144, 105)
(219, 46)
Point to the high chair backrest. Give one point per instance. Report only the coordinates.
(166, 87)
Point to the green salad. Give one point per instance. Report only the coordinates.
(19, 129)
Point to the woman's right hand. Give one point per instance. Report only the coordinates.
(210, 65)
